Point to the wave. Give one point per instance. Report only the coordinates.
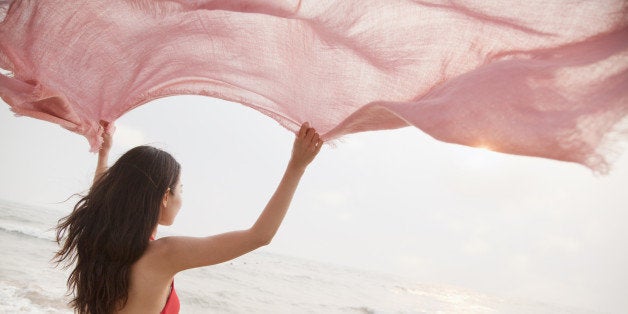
(27, 231)
(28, 220)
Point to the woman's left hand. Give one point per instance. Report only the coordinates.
(107, 140)
(103, 153)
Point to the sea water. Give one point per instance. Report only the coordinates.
(259, 282)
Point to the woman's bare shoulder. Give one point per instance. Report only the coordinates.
(154, 261)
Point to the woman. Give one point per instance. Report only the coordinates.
(118, 269)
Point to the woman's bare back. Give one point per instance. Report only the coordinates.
(149, 286)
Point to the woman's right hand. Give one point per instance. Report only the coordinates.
(306, 146)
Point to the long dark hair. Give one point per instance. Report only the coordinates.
(109, 228)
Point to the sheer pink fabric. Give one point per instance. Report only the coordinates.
(539, 78)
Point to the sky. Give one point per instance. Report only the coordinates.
(396, 202)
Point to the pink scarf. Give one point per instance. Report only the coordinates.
(538, 78)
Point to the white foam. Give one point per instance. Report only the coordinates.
(16, 300)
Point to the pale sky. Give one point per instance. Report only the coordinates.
(395, 202)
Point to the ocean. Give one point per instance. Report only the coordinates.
(259, 282)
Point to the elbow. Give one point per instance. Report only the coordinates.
(261, 238)
(263, 241)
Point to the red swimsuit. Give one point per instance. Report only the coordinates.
(172, 305)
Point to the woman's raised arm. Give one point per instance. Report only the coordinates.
(103, 153)
(179, 253)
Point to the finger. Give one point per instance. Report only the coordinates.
(318, 148)
(315, 139)
(303, 129)
(310, 134)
